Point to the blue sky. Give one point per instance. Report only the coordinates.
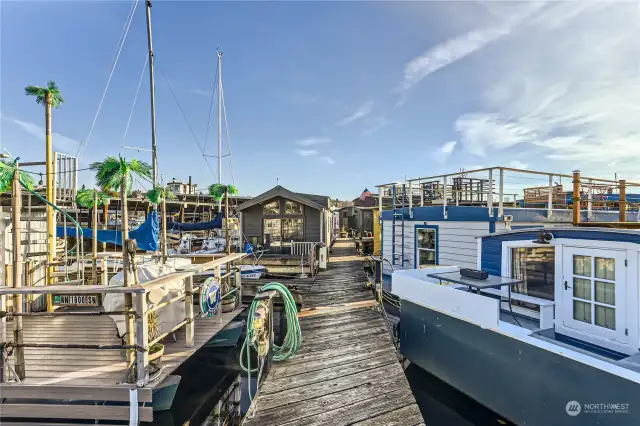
(330, 97)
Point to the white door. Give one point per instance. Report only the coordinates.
(594, 287)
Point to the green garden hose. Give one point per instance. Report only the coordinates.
(292, 339)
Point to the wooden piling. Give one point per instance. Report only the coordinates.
(576, 197)
(16, 207)
(623, 201)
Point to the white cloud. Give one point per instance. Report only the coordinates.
(328, 160)
(363, 111)
(444, 151)
(518, 165)
(373, 124)
(61, 143)
(202, 92)
(307, 152)
(312, 141)
(461, 46)
(564, 86)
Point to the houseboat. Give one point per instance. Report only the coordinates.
(542, 326)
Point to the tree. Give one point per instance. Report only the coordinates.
(92, 198)
(8, 168)
(159, 195)
(217, 191)
(50, 97)
(117, 174)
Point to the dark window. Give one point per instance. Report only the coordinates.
(292, 208)
(536, 266)
(292, 230)
(271, 208)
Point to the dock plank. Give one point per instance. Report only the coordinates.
(347, 370)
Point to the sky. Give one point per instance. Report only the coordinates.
(330, 97)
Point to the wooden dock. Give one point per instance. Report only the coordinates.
(346, 372)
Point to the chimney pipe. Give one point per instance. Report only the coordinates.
(189, 189)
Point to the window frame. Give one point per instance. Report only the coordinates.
(301, 219)
(276, 201)
(416, 249)
(295, 203)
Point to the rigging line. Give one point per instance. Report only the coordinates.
(82, 147)
(226, 126)
(195, 138)
(135, 99)
(206, 136)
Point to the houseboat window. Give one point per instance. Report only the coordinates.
(292, 208)
(271, 208)
(273, 231)
(594, 290)
(426, 246)
(292, 229)
(536, 266)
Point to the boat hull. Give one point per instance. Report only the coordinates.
(228, 336)
(526, 384)
(164, 394)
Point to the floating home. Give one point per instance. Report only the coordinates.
(278, 217)
(553, 326)
(435, 220)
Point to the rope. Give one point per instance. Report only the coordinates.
(292, 339)
(123, 38)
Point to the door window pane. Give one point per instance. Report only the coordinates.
(606, 268)
(273, 231)
(606, 292)
(582, 311)
(293, 229)
(427, 238)
(536, 267)
(582, 265)
(427, 257)
(271, 208)
(606, 317)
(582, 288)
(292, 208)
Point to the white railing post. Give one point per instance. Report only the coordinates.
(501, 194)
(444, 192)
(550, 200)
(188, 309)
(421, 193)
(410, 188)
(142, 339)
(490, 195)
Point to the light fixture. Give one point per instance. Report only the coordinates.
(544, 237)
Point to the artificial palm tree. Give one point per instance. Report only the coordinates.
(159, 195)
(50, 97)
(92, 198)
(218, 191)
(117, 174)
(8, 169)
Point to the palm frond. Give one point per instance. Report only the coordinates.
(218, 190)
(141, 168)
(7, 172)
(56, 96)
(85, 198)
(158, 193)
(108, 173)
(169, 195)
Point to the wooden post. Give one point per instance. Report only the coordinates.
(164, 229)
(623, 200)
(576, 197)
(188, 308)
(182, 213)
(105, 220)
(94, 239)
(16, 207)
(104, 272)
(126, 272)
(550, 199)
(142, 339)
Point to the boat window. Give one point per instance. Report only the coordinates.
(536, 266)
(594, 290)
(291, 207)
(426, 246)
(271, 208)
(272, 232)
(292, 229)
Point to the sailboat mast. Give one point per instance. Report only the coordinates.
(220, 124)
(219, 117)
(154, 154)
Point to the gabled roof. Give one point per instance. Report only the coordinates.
(279, 191)
(322, 200)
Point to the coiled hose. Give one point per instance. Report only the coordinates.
(292, 339)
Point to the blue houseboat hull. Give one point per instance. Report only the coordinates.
(522, 382)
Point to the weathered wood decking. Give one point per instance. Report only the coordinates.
(346, 372)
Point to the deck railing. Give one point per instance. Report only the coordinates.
(501, 187)
(137, 347)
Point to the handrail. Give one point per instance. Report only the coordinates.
(70, 289)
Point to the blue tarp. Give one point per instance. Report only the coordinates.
(216, 223)
(146, 235)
